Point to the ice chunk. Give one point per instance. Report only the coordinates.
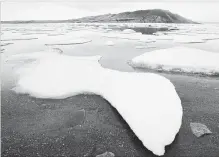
(133, 36)
(147, 38)
(71, 42)
(128, 31)
(148, 102)
(20, 38)
(5, 44)
(55, 34)
(163, 37)
(179, 59)
(140, 47)
(109, 43)
(209, 36)
(144, 47)
(188, 39)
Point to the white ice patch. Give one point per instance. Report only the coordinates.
(109, 43)
(140, 47)
(54, 34)
(208, 36)
(71, 42)
(5, 44)
(179, 59)
(128, 31)
(187, 39)
(163, 37)
(134, 36)
(148, 102)
(144, 47)
(20, 38)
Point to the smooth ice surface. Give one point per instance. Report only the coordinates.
(148, 102)
(180, 59)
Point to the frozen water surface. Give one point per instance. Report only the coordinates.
(128, 38)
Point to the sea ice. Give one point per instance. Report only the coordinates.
(20, 38)
(71, 42)
(5, 44)
(179, 59)
(144, 47)
(148, 102)
(187, 39)
(128, 31)
(109, 43)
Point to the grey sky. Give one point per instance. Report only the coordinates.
(197, 10)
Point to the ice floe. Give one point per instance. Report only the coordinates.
(141, 47)
(55, 34)
(71, 42)
(148, 102)
(109, 43)
(5, 44)
(20, 38)
(133, 36)
(179, 59)
(128, 31)
(187, 39)
(144, 47)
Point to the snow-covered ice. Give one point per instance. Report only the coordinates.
(71, 42)
(140, 47)
(5, 44)
(148, 102)
(109, 43)
(20, 38)
(128, 31)
(187, 39)
(130, 36)
(144, 47)
(179, 59)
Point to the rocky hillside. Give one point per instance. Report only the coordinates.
(140, 16)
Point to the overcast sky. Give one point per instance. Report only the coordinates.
(197, 10)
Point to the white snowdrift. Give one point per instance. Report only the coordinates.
(148, 102)
(179, 59)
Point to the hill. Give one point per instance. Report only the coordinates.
(140, 16)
